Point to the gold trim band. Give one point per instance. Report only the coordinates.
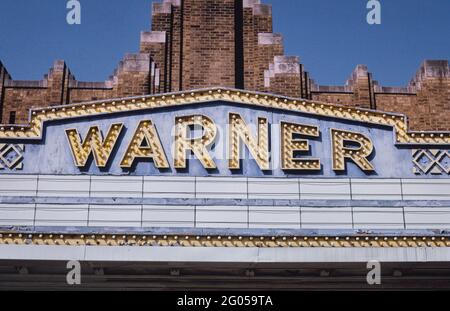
(398, 122)
(222, 241)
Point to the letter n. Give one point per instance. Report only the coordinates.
(259, 147)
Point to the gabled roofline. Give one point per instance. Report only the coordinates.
(399, 122)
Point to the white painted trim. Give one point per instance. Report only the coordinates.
(222, 255)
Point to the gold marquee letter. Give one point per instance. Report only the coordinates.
(291, 145)
(198, 145)
(259, 148)
(358, 155)
(145, 144)
(93, 143)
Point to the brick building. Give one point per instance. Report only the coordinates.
(276, 193)
(201, 43)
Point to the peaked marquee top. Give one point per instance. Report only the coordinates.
(39, 116)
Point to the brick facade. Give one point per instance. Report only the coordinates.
(202, 43)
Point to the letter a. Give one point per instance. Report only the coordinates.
(374, 15)
(74, 15)
(145, 144)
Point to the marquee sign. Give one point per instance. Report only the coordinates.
(221, 132)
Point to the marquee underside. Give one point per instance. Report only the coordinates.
(225, 269)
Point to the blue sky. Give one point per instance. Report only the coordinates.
(330, 36)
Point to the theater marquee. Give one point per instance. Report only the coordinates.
(221, 132)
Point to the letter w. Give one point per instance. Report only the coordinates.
(93, 143)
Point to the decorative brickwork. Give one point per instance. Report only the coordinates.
(226, 43)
